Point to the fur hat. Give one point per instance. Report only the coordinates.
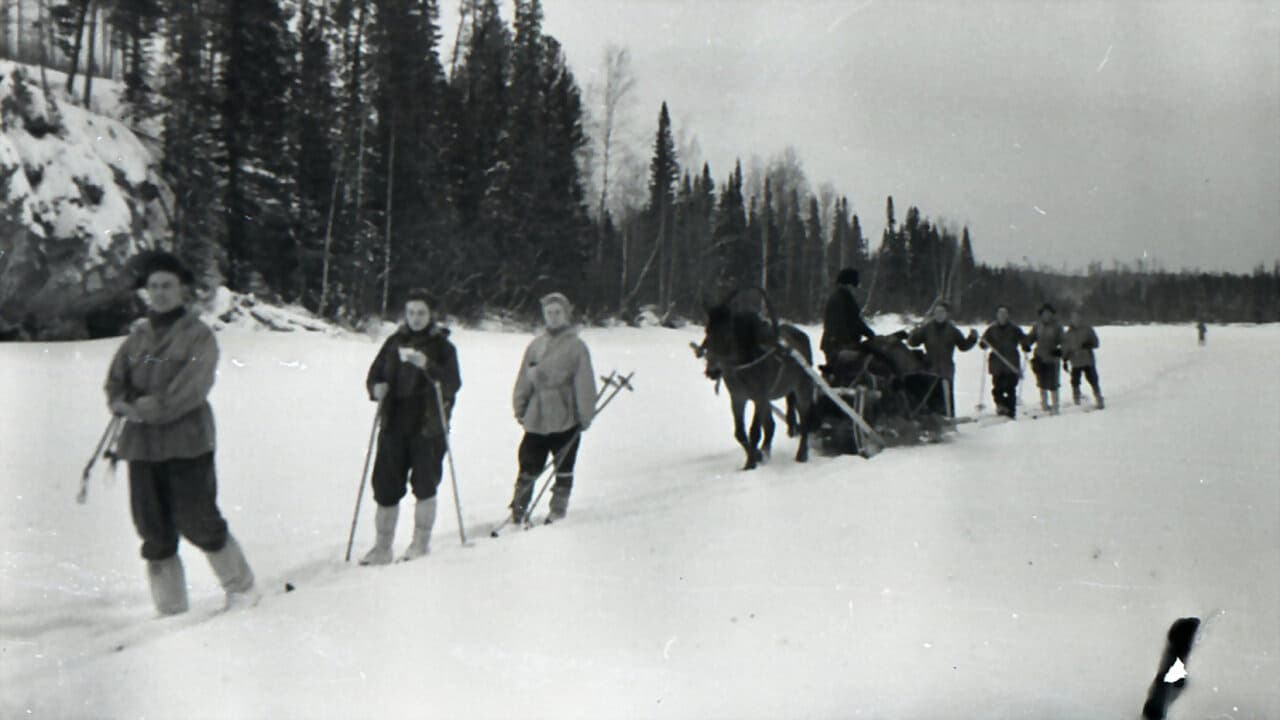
(556, 298)
(419, 295)
(847, 276)
(152, 262)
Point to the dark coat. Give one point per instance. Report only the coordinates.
(1005, 339)
(941, 340)
(166, 374)
(410, 406)
(842, 324)
(1078, 344)
(1047, 338)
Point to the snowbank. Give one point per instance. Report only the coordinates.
(1024, 570)
(77, 198)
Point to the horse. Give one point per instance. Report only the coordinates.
(752, 358)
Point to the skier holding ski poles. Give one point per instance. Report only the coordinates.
(412, 442)
(159, 382)
(554, 401)
(1078, 344)
(1003, 340)
(941, 338)
(1046, 336)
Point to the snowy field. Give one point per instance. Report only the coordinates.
(1025, 570)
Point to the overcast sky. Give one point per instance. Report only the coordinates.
(1059, 131)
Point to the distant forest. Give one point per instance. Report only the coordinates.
(329, 153)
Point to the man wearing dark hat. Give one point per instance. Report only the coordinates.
(1046, 336)
(554, 401)
(412, 442)
(842, 324)
(159, 381)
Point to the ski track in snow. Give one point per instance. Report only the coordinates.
(1021, 569)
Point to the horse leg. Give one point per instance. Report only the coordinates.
(740, 432)
(769, 428)
(792, 428)
(804, 407)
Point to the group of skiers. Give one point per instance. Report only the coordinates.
(161, 376)
(1047, 343)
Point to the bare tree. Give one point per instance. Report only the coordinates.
(619, 83)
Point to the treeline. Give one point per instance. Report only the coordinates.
(331, 153)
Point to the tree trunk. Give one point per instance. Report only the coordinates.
(88, 60)
(75, 49)
(386, 250)
(328, 236)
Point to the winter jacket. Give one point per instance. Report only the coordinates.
(1047, 338)
(410, 406)
(842, 323)
(1004, 339)
(941, 340)
(556, 387)
(166, 373)
(1078, 344)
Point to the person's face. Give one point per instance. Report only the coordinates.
(555, 315)
(417, 314)
(940, 314)
(1002, 316)
(165, 292)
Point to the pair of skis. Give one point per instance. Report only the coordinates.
(614, 383)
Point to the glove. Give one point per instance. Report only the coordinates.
(380, 391)
(120, 408)
(143, 406)
(414, 357)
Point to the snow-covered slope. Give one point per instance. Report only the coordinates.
(1026, 570)
(77, 198)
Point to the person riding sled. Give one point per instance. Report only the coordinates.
(554, 401)
(1046, 337)
(842, 325)
(1078, 344)
(941, 338)
(159, 382)
(416, 360)
(1003, 340)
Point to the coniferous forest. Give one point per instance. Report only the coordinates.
(335, 153)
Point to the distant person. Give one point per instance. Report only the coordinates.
(941, 338)
(1004, 340)
(554, 401)
(1202, 331)
(1046, 336)
(842, 325)
(159, 381)
(1078, 344)
(404, 377)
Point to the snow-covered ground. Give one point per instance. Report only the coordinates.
(1024, 570)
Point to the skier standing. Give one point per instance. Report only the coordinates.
(1078, 344)
(554, 401)
(842, 324)
(1004, 340)
(159, 381)
(412, 441)
(1201, 331)
(941, 338)
(1046, 336)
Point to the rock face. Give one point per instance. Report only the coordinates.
(78, 197)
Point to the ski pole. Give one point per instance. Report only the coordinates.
(453, 474)
(364, 478)
(608, 382)
(108, 436)
(982, 383)
(618, 386)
